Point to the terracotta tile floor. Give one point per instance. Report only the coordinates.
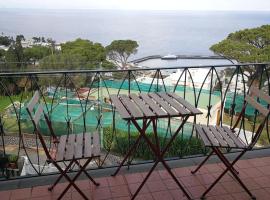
(254, 172)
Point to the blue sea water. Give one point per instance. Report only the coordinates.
(157, 32)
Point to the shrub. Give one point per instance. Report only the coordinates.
(121, 142)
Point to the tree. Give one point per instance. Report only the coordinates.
(52, 44)
(36, 53)
(5, 40)
(120, 50)
(89, 52)
(14, 55)
(248, 45)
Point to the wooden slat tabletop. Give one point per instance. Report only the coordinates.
(152, 105)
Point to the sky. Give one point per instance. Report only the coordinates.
(245, 5)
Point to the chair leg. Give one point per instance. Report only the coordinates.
(201, 164)
(229, 167)
(204, 161)
(62, 174)
(85, 172)
(232, 170)
(71, 182)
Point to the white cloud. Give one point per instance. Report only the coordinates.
(140, 4)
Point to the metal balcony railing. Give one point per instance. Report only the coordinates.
(78, 101)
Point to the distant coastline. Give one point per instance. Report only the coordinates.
(157, 32)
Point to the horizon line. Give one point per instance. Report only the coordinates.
(124, 9)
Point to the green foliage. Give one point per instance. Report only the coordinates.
(87, 50)
(12, 158)
(120, 145)
(120, 50)
(248, 45)
(36, 53)
(2, 54)
(5, 40)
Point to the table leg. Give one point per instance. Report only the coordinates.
(159, 154)
(133, 148)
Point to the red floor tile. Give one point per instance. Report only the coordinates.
(242, 164)
(155, 186)
(178, 194)
(20, 194)
(252, 172)
(40, 191)
(240, 196)
(232, 187)
(78, 196)
(263, 181)
(170, 184)
(258, 162)
(5, 195)
(261, 194)
(161, 195)
(153, 177)
(212, 168)
(190, 181)
(196, 191)
(103, 182)
(255, 173)
(251, 184)
(134, 178)
(221, 197)
(206, 179)
(183, 171)
(122, 198)
(164, 174)
(264, 169)
(218, 189)
(144, 197)
(101, 193)
(134, 186)
(116, 180)
(119, 191)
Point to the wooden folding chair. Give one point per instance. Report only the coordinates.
(67, 148)
(218, 137)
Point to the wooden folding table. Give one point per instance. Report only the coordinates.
(149, 107)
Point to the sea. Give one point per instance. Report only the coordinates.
(157, 32)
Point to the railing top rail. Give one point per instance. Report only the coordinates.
(116, 70)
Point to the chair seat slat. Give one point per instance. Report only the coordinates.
(236, 139)
(210, 136)
(202, 135)
(78, 146)
(96, 144)
(87, 145)
(70, 147)
(33, 101)
(61, 148)
(226, 137)
(218, 136)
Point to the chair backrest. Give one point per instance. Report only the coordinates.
(35, 111)
(251, 99)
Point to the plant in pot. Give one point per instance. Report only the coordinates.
(3, 162)
(13, 161)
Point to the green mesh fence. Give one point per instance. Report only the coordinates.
(61, 113)
(239, 101)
